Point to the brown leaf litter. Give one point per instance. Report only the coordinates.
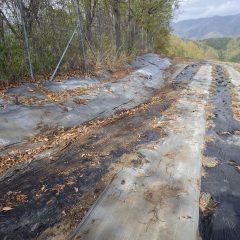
(207, 204)
(161, 194)
(61, 137)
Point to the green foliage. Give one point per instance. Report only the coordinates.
(191, 49)
(232, 52)
(162, 40)
(11, 58)
(152, 15)
(109, 27)
(225, 49)
(228, 48)
(216, 43)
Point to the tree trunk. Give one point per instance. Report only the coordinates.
(2, 31)
(130, 28)
(90, 10)
(26, 42)
(89, 26)
(117, 23)
(80, 32)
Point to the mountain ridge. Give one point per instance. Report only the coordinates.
(202, 28)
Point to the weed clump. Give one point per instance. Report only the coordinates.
(207, 204)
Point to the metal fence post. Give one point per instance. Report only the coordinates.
(64, 52)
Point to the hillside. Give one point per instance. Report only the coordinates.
(192, 49)
(212, 27)
(228, 49)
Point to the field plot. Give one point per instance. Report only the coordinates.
(137, 156)
(220, 218)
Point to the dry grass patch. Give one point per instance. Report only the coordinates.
(209, 138)
(207, 204)
(210, 162)
(235, 101)
(109, 60)
(212, 89)
(209, 112)
(214, 83)
(234, 93)
(210, 116)
(210, 124)
(80, 101)
(204, 173)
(235, 104)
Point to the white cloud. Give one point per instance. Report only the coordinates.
(192, 9)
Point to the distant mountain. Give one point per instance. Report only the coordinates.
(219, 26)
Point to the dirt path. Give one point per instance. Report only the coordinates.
(47, 196)
(158, 200)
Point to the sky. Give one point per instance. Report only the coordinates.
(192, 9)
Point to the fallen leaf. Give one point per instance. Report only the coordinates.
(232, 162)
(5, 209)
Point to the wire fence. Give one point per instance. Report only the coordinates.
(42, 37)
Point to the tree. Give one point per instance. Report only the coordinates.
(106, 28)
